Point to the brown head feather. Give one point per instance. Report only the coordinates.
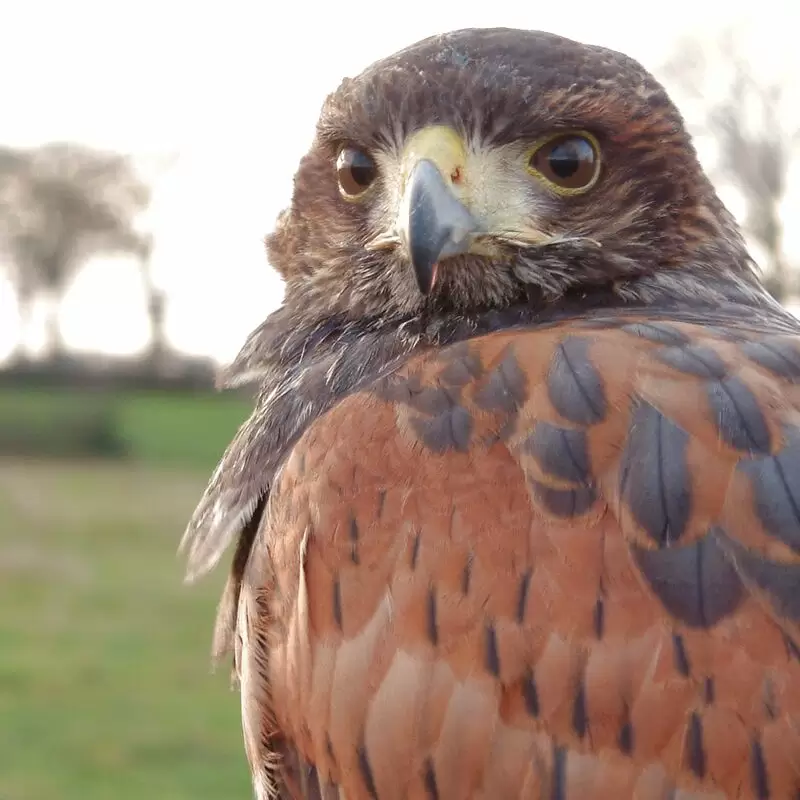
(652, 211)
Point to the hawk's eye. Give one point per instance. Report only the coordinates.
(570, 162)
(356, 171)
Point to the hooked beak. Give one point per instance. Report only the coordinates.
(434, 223)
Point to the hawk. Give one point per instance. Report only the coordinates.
(517, 511)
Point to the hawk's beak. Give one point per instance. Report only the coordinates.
(434, 223)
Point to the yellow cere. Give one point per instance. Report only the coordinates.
(439, 144)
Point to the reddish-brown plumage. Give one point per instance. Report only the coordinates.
(452, 625)
(537, 532)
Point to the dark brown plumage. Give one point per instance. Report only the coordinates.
(517, 509)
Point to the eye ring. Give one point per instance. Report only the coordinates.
(355, 171)
(568, 162)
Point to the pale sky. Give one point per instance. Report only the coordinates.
(233, 89)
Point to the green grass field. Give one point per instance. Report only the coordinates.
(106, 688)
(176, 428)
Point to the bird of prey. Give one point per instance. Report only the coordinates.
(517, 512)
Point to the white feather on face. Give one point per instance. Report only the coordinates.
(490, 180)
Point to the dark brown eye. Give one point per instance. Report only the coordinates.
(571, 162)
(356, 172)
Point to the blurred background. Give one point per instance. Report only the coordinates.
(145, 150)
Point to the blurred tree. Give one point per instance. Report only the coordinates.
(13, 165)
(158, 351)
(61, 204)
(749, 118)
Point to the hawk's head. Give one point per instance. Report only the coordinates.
(483, 168)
